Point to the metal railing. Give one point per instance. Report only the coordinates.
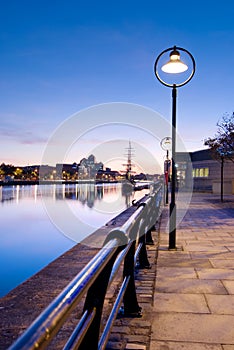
(127, 245)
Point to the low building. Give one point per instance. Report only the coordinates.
(206, 173)
(201, 169)
(66, 171)
(107, 175)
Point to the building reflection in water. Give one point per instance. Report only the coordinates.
(87, 194)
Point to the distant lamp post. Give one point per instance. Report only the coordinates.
(222, 154)
(166, 146)
(222, 166)
(174, 69)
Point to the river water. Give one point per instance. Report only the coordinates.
(37, 223)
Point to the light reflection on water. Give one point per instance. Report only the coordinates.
(28, 238)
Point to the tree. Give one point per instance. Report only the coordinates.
(18, 173)
(8, 169)
(222, 144)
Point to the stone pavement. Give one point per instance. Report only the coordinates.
(193, 306)
(187, 298)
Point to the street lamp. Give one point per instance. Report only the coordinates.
(223, 153)
(174, 67)
(166, 146)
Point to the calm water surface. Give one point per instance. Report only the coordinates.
(35, 228)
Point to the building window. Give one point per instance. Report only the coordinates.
(201, 172)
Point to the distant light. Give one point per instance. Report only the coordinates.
(174, 65)
(166, 143)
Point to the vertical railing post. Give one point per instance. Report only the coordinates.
(143, 262)
(148, 237)
(131, 306)
(95, 300)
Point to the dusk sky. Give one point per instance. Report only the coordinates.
(60, 57)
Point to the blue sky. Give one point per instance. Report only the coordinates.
(59, 57)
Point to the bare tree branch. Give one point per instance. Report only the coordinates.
(222, 144)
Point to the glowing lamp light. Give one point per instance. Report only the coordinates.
(174, 65)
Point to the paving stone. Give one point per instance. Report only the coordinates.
(217, 274)
(169, 302)
(204, 263)
(214, 329)
(200, 248)
(189, 286)
(206, 244)
(122, 329)
(164, 253)
(115, 346)
(176, 272)
(142, 331)
(137, 338)
(229, 285)
(221, 304)
(212, 255)
(221, 233)
(229, 247)
(115, 337)
(222, 263)
(166, 345)
(130, 346)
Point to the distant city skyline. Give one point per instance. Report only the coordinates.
(58, 59)
(121, 169)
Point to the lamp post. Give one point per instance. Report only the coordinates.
(166, 146)
(173, 68)
(222, 154)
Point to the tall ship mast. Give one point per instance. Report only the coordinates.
(129, 165)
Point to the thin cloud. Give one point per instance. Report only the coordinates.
(18, 133)
(33, 139)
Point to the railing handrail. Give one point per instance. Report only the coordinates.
(48, 321)
(104, 263)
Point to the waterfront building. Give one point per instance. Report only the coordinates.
(205, 172)
(108, 175)
(88, 168)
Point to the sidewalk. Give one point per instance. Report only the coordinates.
(193, 305)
